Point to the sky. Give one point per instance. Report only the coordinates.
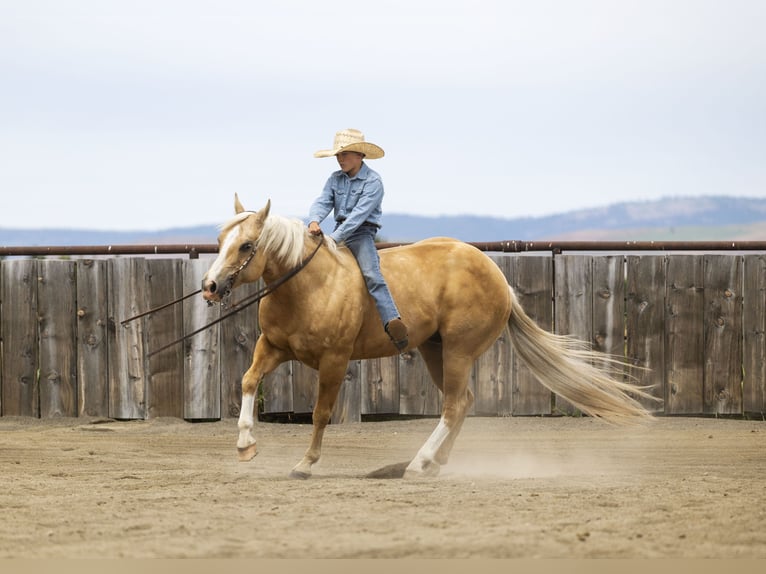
(147, 115)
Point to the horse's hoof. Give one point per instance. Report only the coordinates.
(427, 470)
(299, 475)
(247, 453)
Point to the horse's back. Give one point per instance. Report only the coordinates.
(451, 285)
(443, 260)
(443, 242)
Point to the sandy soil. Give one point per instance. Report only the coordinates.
(515, 488)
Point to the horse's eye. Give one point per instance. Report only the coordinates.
(246, 247)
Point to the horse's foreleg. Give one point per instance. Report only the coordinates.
(265, 359)
(331, 373)
(246, 444)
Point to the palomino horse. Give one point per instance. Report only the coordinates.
(454, 299)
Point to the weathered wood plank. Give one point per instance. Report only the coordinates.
(380, 386)
(684, 347)
(56, 295)
(276, 391)
(20, 390)
(164, 389)
(348, 407)
(126, 367)
(722, 385)
(609, 305)
(492, 386)
(532, 280)
(238, 335)
(92, 319)
(645, 316)
(418, 395)
(305, 385)
(754, 329)
(573, 305)
(492, 379)
(202, 368)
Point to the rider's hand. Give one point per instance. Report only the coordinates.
(314, 228)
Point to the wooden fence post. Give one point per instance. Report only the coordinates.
(532, 280)
(645, 324)
(92, 320)
(202, 365)
(56, 298)
(684, 346)
(754, 328)
(126, 368)
(722, 385)
(164, 388)
(20, 390)
(573, 305)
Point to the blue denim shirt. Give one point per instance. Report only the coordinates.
(355, 199)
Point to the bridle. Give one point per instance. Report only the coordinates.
(231, 278)
(240, 305)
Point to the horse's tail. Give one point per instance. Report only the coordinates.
(568, 367)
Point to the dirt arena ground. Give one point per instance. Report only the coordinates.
(515, 488)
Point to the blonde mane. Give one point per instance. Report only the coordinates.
(282, 238)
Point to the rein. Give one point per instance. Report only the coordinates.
(243, 304)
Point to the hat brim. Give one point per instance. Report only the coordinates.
(370, 150)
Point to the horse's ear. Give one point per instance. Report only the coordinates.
(237, 205)
(264, 213)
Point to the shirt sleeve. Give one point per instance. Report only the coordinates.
(371, 198)
(323, 204)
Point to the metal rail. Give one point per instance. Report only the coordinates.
(142, 249)
(517, 246)
(510, 246)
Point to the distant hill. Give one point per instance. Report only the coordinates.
(687, 219)
(682, 219)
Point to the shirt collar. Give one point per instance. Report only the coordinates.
(363, 172)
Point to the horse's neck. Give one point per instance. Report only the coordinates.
(325, 267)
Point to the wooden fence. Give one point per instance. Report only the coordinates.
(696, 322)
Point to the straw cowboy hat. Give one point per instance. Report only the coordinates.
(351, 140)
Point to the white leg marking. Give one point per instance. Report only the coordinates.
(427, 454)
(245, 423)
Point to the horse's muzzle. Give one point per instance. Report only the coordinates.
(211, 291)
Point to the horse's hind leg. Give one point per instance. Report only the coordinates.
(431, 351)
(456, 402)
(442, 455)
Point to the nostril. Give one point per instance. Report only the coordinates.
(209, 286)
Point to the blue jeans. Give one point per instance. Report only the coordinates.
(362, 244)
